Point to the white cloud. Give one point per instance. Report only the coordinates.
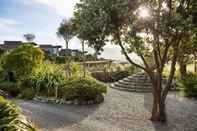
(7, 24)
(62, 7)
(114, 52)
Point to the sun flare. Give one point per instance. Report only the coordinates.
(143, 12)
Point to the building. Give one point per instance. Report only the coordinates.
(10, 45)
(50, 49)
(70, 52)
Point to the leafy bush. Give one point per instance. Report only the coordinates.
(189, 85)
(11, 118)
(10, 87)
(77, 70)
(102, 76)
(48, 78)
(83, 89)
(28, 93)
(118, 75)
(23, 60)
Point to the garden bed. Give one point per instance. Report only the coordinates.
(99, 99)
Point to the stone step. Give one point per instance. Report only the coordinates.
(134, 83)
(130, 89)
(136, 80)
(138, 76)
(133, 86)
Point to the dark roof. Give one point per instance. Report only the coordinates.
(12, 42)
(45, 46)
(57, 46)
(49, 46)
(32, 43)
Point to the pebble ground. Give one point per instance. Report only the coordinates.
(121, 111)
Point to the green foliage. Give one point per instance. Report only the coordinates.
(28, 93)
(23, 60)
(102, 76)
(48, 77)
(189, 85)
(11, 118)
(83, 89)
(65, 31)
(10, 87)
(118, 75)
(77, 70)
(115, 72)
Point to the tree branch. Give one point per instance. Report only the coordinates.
(127, 56)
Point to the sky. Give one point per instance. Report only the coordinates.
(42, 18)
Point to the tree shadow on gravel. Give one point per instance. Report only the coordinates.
(148, 102)
(181, 113)
(51, 117)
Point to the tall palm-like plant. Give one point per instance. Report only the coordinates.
(65, 31)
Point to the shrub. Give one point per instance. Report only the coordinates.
(188, 86)
(11, 118)
(28, 93)
(132, 69)
(10, 87)
(102, 76)
(118, 75)
(83, 89)
(23, 60)
(47, 79)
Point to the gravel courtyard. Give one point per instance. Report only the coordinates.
(121, 111)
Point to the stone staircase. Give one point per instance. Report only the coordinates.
(139, 82)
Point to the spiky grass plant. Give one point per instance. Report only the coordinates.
(11, 118)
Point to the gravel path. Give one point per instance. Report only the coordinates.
(121, 111)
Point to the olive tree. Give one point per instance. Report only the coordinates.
(153, 29)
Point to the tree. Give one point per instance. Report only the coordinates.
(194, 12)
(23, 60)
(65, 31)
(29, 37)
(188, 50)
(126, 23)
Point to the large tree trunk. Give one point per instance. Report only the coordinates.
(195, 63)
(158, 110)
(68, 61)
(183, 70)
